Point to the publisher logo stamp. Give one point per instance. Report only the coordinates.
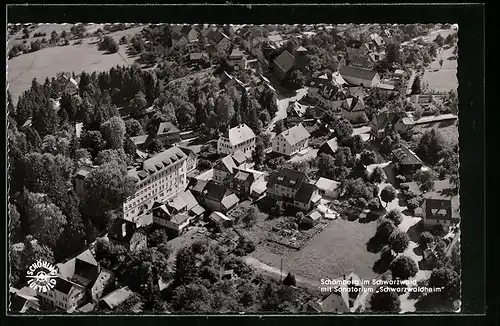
(42, 276)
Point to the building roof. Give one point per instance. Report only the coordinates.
(287, 178)
(331, 144)
(360, 61)
(66, 286)
(167, 128)
(195, 56)
(185, 30)
(364, 74)
(435, 207)
(295, 134)
(230, 201)
(214, 37)
(275, 38)
(353, 104)
(354, 44)
(285, 61)
(296, 109)
(164, 159)
(117, 297)
(198, 186)
(239, 157)
(327, 184)
(197, 210)
(219, 216)
(225, 164)
(301, 49)
(305, 193)
(314, 215)
(329, 91)
(215, 191)
(139, 140)
(236, 53)
(406, 157)
(377, 39)
(242, 175)
(68, 269)
(122, 230)
(356, 91)
(239, 134)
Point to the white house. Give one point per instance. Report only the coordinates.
(328, 188)
(238, 138)
(291, 141)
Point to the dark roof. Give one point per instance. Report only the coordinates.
(85, 272)
(441, 207)
(353, 104)
(357, 72)
(63, 285)
(305, 192)
(328, 146)
(198, 186)
(355, 44)
(187, 151)
(177, 37)
(214, 191)
(329, 91)
(117, 228)
(285, 61)
(406, 157)
(360, 61)
(287, 178)
(185, 30)
(215, 37)
(17, 302)
(225, 164)
(243, 175)
(356, 91)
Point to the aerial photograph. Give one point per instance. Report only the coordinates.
(225, 169)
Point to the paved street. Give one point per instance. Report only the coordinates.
(283, 104)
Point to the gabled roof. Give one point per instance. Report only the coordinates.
(226, 164)
(236, 53)
(327, 184)
(295, 134)
(329, 91)
(214, 37)
(356, 91)
(360, 61)
(406, 157)
(117, 297)
(296, 109)
(301, 49)
(239, 134)
(185, 30)
(66, 286)
(243, 175)
(353, 104)
(230, 201)
(285, 61)
(330, 144)
(377, 39)
(239, 157)
(287, 178)
(164, 159)
(355, 44)
(314, 215)
(275, 38)
(433, 207)
(305, 193)
(139, 140)
(357, 73)
(166, 128)
(215, 191)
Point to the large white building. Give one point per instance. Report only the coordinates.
(291, 141)
(160, 178)
(237, 138)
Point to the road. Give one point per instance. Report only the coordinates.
(282, 106)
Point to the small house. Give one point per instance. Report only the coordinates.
(312, 218)
(283, 64)
(328, 188)
(291, 141)
(168, 133)
(359, 76)
(220, 219)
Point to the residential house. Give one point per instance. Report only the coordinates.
(359, 76)
(330, 97)
(329, 147)
(295, 112)
(168, 133)
(312, 218)
(361, 61)
(139, 141)
(237, 58)
(283, 64)
(67, 83)
(301, 59)
(437, 212)
(275, 40)
(407, 161)
(79, 179)
(237, 138)
(404, 125)
(220, 219)
(228, 81)
(381, 124)
(223, 169)
(178, 213)
(377, 43)
(291, 141)
(190, 33)
(241, 182)
(356, 91)
(356, 47)
(353, 109)
(179, 40)
(192, 159)
(219, 41)
(80, 280)
(116, 298)
(214, 196)
(328, 188)
(159, 178)
(23, 301)
(196, 57)
(127, 234)
(293, 189)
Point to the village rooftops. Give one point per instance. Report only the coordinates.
(295, 134)
(406, 157)
(239, 134)
(236, 54)
(139, 140)
(365, 74)
(353, 104)
(158, 162)
(305, 193)
(285, 61)
(287, 178)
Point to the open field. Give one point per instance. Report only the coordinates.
(50, 61)
(442, 79)
(449, 130)
(42, 28)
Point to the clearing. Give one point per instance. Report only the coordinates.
(442, 79)
(449, 130)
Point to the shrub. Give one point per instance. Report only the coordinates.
(361, 203)
(374, 204)
(404, 186)
(426, 238)
(290, 280)
(412, 204)
(395, 216)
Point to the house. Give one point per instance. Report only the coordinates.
(219, 41)
(80, 280)
(237, 138)
(214, 196)
(407, 161)
(179, 40)
(196, 57)
(353, 109)
(192, 159)
(223, 169)
(301, 59)
(345, 297)
(116, 298)
(127, 234)
(404, 125)
(228, 81)
(275, 39)
(361, 61)
(330, 97)
(220, 219)
(79, 179)
(329, 147)
(377, 43)
(168, 133)
(190, 33)
(381, 124)
(237, 58)
(356, 91)
(67, 83)
(291, 141)
(295, 111)
(178, 213)
(359, 76)
(23, 301)
(283, 64)
(328, 188)
(159, 178)
(293, 189)
(356, 47)
(437, 212)
(139, 141)
(312, 218)
(241, 182)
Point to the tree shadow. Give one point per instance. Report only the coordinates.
(370, 217)
(448, 192)
(426, 264)
(433, 302)
(382, 265)
(375, 244)
(414, 232)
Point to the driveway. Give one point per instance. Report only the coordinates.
(283, 104)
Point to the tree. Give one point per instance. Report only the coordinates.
(388, 194)
(109, 44)
(449, 282)
(290, 280)
(426, 238)
(399, 242)
(258, 154)
(113, 132)
(395, 216)
(294, 80)
(133, 127)
(117, 156)
(279, 127)
(374, 204)
(403, 268)
(277, 209)
(343, 129)
(250, 217)
(368, 157)
(343, 156)
(378, 175)
(78, 30)
(185, 266)
(441, 63)
(439, 40)
(424, 179)
(383, 301)
(432, 52)
(224, 107)
(416, 87)
(45, 120)
(385, 229)
(138, 105)
(430, 146)
(393, 53)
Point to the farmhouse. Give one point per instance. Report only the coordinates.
(291, 141)
(407, 161)
(237, 138)
(359, 76)
(67, 84)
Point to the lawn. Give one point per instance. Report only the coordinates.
(71, 58)
(442, 79)
(449, 131)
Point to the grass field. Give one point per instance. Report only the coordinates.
(442, 79)
(447, 129)
(50, 61)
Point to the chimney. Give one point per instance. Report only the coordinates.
(124, 230)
